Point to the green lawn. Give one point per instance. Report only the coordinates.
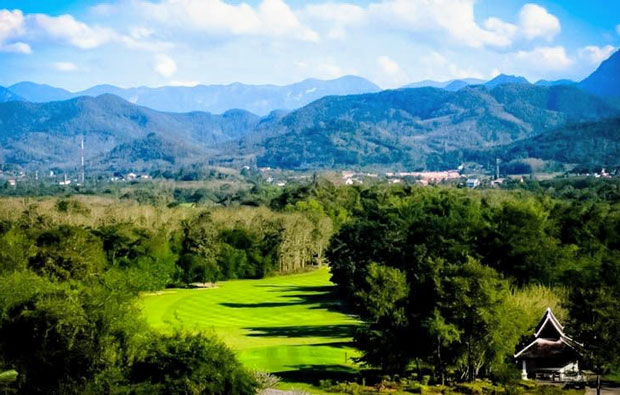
(289, 325)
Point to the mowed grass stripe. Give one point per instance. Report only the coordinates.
(286, 323)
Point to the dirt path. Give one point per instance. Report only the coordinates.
(604, 391)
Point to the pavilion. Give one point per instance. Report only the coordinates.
(550, 353)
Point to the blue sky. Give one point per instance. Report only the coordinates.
(79, 43)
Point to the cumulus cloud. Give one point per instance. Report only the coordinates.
(65, 28)
(16, 47)
(550, 58)
(535, 21)
(339, 13)
(18, 31)
(11, 23)
(64, 66)
(388, 65)
(165, 65)
(594, 54)
(391, 74)
(11, 26)
(452, 17)
(270, 18)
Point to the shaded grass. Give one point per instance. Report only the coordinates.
(292, 326)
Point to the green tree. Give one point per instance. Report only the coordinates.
(68, 252)
(595, 321)
(199, 250)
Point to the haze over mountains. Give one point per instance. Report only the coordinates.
(258, 99)
(412, 128)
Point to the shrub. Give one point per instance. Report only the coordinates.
(190, 364)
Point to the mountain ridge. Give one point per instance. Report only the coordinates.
(258, 99)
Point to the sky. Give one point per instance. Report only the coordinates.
(76, 44)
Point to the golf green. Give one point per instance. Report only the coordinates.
(289, 325)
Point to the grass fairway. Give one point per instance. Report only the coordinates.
(288, 325)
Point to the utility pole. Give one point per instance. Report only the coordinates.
(82, 157)
(497, 168)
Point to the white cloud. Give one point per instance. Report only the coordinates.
(17, 47)
(18, 31)
(437, 66)
(594, 54)
(12, 25)
(535, 21)
(338, 13)
(270, 18)
(65, 66)
(165, 65)
(66, 28)
(391, 75)
(452, 17)
(329, 69)
(388, 65)
(549, 58)
(183, 83)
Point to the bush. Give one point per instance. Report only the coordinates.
(190, 364)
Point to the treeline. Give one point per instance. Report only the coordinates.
(449, 280)
(158, 247)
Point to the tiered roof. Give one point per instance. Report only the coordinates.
(549, 340)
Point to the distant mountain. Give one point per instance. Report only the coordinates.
(456, 85)
(6, 95)
(47, 134)
(449, 85)
(258, 99)
(424, 128)
(426, 84)
(504, 79)
(556, 82)
(40, 93)
(605, 81)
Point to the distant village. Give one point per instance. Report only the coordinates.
(281, 178)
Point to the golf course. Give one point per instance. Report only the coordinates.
(291, 326)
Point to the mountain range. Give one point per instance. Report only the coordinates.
(409, 128)
(258, 99)
(423, 128)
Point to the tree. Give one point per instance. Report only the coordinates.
(68, 252)
(199, 250)
(63, 337)
(383, 336)
(595, 321)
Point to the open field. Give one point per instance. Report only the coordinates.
(289, 325)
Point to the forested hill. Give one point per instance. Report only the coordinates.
(588, 144)
(425, 127)
(49, 133)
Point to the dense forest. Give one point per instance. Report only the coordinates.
(447, 281)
